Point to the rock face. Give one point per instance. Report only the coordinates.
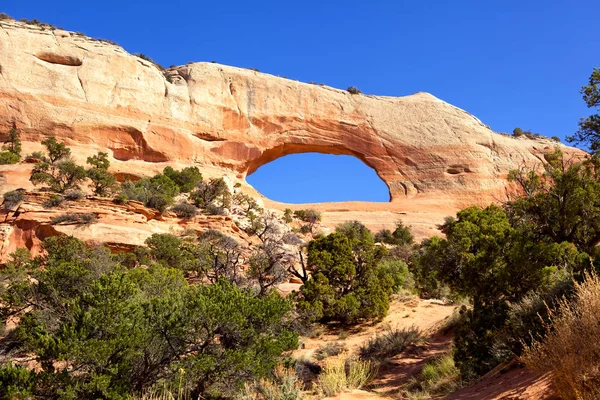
(95, 95)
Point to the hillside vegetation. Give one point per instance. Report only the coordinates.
(198, 315)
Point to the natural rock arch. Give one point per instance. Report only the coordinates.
(291, 149)
(234, 120)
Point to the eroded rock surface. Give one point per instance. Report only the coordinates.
(93, 95)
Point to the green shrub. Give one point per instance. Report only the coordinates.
(121, 198)
(13, 199)
(213, 192)
(353, 90)
(56, 169)
(439, 377)
(124, 331)
(246, 202)
(185, 210)
(394, 341)
(103, 182)
(186, 179)
(11, 149)
(6, 157)
(395, 270)
(345, 284)
(36, 155)
(310, 216)
(75, 218)
(400, 236)
(16, 382)
(288, 216)
(155, 192)
(74, 195)
(54, 200)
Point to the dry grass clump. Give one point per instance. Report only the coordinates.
(284, 386)
(343, 372)
(571, 349)
(394, 341)
(328, 350)
(438, 377)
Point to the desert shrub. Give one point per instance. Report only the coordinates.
(75, 218)
(288, 215)
(170, 251)
(11, 149)
(310, 216)
(74, 195)
(214, 191)
(328, 350)
(145, 57)
(526, 320)
(284, 385)
(570, 350)
(214, 209)
(54, 200)
(103, 182)
(121, 198)
(220, 257)
(36, 155)
(396, 270)
(400, 236)
(394, 341)
(13, 198)
(518, 132)
(16, 381)
(60, 177)
(6, 157)
(185, 210)
(5, 16)
(555, 138)
(186, 179)
(344, 372)
(345, 284)
(125, 331)
(438, 377)
(353, 90)
(56, 169)
(248, 203)
(155, 192)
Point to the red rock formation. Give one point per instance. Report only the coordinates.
(95, 96)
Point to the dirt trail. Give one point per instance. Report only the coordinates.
(515, 384)
(428, 315)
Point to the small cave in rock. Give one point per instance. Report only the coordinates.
(457, 169)
(62, 59)
(318, 178)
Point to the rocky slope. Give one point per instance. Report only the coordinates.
(93, 95)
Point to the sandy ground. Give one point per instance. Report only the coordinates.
(514, 383)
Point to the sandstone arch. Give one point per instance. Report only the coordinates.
(234, 120)
(273, 154)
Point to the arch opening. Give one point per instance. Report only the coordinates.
(315, 177)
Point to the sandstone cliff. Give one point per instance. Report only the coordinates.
(93, 95)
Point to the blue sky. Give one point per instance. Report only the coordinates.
(510, 63)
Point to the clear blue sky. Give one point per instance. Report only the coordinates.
(510, 63)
